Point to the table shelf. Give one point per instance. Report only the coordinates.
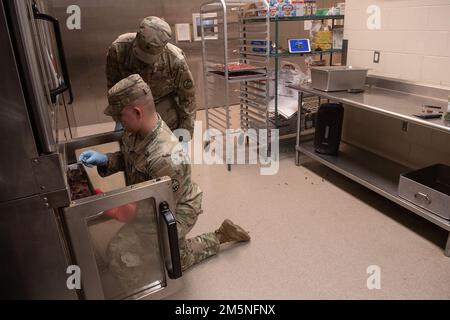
(372, 171)
(394, 99)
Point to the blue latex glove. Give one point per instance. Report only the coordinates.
(93, 158)
(119, 126)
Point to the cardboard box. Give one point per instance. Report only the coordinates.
(310, 7)
(338, 38)
(273, 11)
(322, 40)
(278, 2)
(261, 43)
(299, 6)
(341, 8)
(286, 10)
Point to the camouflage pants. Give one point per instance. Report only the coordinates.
(197, 249)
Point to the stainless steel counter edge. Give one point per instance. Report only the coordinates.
(382, 98)
(416, 88)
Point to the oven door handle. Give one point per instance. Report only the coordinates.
(66, 84)
(171, 224)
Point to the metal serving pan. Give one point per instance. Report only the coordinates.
(428, 188)
(338, 78)
(79, 183)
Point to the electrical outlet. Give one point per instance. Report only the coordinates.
(376, 57)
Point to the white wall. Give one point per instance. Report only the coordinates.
(414, 39)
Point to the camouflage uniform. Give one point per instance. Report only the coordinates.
(165, 71)
(144, 159)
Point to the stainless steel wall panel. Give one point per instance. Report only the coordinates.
(102, 21)
(17, 141)
(33, 263)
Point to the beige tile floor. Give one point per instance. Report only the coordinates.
(314, 234)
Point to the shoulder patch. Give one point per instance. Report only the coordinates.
(175, 185)
(188, 84)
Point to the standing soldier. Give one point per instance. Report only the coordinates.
(163, 67)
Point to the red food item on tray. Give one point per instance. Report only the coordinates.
(235, 66)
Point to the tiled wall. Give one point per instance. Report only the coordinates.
(414, 42)
(414, 39)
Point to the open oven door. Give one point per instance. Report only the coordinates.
(126, 242)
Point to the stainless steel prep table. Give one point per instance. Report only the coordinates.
(379, 174)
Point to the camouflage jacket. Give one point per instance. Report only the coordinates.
(170, 80)
(148, 158)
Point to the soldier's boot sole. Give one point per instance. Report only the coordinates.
(231, 232)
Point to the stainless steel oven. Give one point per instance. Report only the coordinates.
(43, 230)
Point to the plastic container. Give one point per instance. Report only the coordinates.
(330, 119)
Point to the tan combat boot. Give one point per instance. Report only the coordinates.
(230, 232)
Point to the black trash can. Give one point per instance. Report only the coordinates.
(330, 119)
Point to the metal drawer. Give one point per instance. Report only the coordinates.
(428, 188)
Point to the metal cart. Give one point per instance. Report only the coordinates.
(236, 57)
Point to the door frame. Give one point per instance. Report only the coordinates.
(82, 210)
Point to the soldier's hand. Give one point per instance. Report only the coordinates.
(93, 158)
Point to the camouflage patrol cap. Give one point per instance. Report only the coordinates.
(125, 92)
(153, 35)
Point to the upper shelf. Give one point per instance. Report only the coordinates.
(306, 18)
(396, 104)
(301, 18)
(372, 171)
(238, 77)
(287, 54)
